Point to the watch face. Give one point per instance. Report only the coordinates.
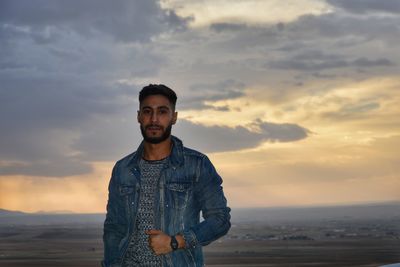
(174, 243)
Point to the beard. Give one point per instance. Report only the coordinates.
(156, 140)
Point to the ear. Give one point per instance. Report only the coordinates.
(175, 117)
(138, 113)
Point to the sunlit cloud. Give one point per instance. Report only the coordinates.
(245, 11)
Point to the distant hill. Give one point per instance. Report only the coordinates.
(4, 212)
(55, 212)
(20, 218)
(390, 210)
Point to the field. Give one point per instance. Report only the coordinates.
(318, 243)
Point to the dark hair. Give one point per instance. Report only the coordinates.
(158, 89)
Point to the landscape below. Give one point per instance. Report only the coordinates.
(367, 235)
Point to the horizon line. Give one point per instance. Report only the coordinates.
(326, 205)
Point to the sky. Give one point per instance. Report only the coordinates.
(295, 102)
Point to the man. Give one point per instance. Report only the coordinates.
(156, 195)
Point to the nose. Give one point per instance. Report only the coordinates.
(154, 117)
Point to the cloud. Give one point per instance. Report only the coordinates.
(206, 12)
(124, 20)
(326, 47)
(110, 140)
(61, 68)
(200, 93)
(337, 24)
(352, 111)
(313, 65)
(222, 138)
(363, 6)
(317, 60)
(221, 27)
(41, 117)
(57, 101)
(59, 125)
(365, 62)
(70, 77)
(60, 167)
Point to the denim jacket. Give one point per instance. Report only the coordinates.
(188, 185)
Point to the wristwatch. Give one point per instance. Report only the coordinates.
(174, 243)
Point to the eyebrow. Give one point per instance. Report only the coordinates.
(160, 107)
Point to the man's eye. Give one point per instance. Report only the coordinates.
(146, 111)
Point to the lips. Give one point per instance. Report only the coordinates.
(154, 128)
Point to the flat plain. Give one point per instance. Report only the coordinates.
(271, 238)
(371, 244)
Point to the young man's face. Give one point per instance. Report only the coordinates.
(156, 117)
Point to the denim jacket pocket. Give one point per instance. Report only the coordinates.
(178, 194)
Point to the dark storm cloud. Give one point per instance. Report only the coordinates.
(222, 138)
(363, 6)
(125, 20)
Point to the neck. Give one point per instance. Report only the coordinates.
(157, 151)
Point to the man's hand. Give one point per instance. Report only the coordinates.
(159, 242)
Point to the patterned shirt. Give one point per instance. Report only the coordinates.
(139, 252)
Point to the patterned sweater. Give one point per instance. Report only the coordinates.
(139, 252)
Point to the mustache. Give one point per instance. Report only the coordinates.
(154, 126)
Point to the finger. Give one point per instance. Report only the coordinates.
(153, 232)
(150, 241)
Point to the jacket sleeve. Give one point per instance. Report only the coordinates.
(112, 234)
(213, 204)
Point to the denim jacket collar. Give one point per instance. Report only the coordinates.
(175, 158)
